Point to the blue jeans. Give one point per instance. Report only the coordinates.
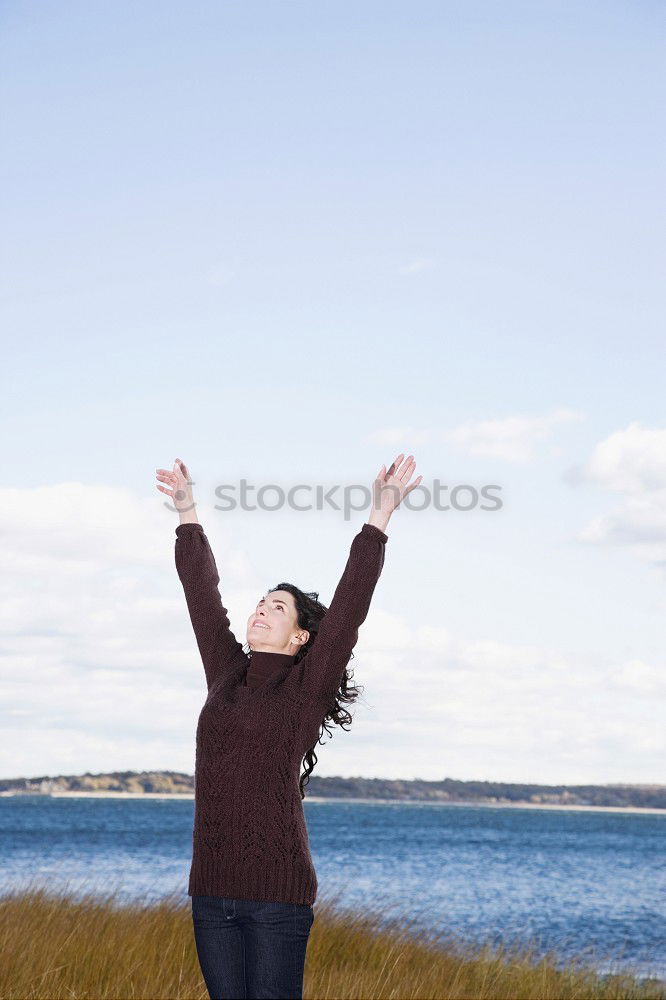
(249, 949)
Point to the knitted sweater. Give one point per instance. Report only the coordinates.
(263, 713)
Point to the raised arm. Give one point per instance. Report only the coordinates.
(220, 650)
(322, 669)
(195, 563)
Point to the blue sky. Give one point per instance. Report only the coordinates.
(284, 242)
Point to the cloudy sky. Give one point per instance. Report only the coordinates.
(284, 242)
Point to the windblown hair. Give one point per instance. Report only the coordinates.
(310, 613)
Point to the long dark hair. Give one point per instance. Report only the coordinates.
(310, 612)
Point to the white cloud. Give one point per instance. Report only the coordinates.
(387, 631)
(485, 709)
(96, 638)
(415, 266)
(514, 439)
(643, 678)
(517, 438)
(631, 462)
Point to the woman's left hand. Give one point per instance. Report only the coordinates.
(390, 487)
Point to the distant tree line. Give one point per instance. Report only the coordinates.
(417, 790)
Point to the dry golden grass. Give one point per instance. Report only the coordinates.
(52, 945)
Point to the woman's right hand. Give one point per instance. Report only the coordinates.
(178, 488)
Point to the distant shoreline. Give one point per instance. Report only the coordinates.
(322, 798)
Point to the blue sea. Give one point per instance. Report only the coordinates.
(590, 885)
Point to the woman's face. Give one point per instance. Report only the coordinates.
(273, 625)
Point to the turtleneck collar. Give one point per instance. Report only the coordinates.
(264, 664)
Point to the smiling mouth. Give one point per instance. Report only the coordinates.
(259, 625)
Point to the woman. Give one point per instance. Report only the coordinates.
(252, 880)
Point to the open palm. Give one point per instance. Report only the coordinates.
(392, 486)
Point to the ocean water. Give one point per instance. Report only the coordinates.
(590, 885)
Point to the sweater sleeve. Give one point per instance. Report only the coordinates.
(321, 670)
(220, 650)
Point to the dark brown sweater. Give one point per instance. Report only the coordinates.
(262, 714)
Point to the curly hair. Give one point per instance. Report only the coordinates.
(310, 613)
